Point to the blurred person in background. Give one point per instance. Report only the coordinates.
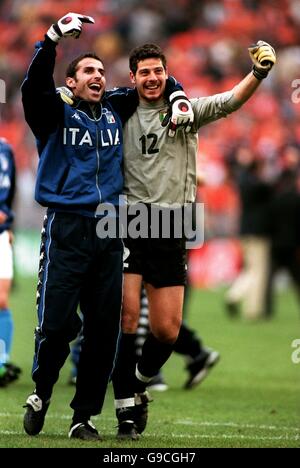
(8, 371)
(285, 224)
(248, 291)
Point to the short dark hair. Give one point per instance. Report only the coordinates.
(72, 67)
(143, 52)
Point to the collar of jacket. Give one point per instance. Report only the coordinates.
(94, 111)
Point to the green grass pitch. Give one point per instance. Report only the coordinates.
(250, 399)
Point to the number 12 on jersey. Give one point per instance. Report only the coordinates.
(149, 143)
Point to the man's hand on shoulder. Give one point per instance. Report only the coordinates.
(69, 25)
(66, 95)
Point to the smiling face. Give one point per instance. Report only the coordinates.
(89, 81)
(150, 79)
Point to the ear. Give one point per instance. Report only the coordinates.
(70, 82)
(132, 77)
(167, 73)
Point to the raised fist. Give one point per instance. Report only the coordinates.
(68, 25)
(263, 57)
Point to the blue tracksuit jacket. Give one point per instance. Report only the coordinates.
(80, 149)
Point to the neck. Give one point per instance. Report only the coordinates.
(148, 103)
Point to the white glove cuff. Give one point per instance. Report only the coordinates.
(177, 95)
(52, 34)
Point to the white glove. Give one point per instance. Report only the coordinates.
(68, 25)
(181, 113)
(66, 95)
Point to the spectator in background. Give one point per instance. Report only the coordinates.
(8, 371)
(285, 224)
(249, 288)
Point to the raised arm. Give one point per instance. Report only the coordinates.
(211, 108)
(263, 57)
(42, 104)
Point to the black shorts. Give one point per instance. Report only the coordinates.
(161, 262)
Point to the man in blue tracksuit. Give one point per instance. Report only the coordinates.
(80, 167)
(8, 371)
(79, 141)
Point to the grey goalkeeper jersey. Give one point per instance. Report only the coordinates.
(160, 169)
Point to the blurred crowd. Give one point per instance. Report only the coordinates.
(206, 46)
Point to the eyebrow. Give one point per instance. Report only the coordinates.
(158, 68)
(91, 67)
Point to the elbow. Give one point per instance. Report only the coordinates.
(233, 104)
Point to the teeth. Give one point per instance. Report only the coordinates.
(95, 87)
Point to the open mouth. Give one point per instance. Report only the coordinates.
(152, 87)
(95, 87)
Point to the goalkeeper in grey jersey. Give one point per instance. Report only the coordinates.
(160, 168)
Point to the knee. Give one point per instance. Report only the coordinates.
(59, 332)
(167, 332)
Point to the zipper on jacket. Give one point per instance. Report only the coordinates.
(97, 153)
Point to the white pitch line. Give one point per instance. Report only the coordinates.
(11, 433)
(184, 422)
(236, 425)
(180, 436)
(49, 416)
(239, 436)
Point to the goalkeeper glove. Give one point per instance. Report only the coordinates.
(263, 57)
(68, 25)
(180, 113)
(66, 95)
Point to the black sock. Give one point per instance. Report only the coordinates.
(124, 371)
(43, 393)
(80, 417)
(154, 355)
(187, 342)
(125, 414)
